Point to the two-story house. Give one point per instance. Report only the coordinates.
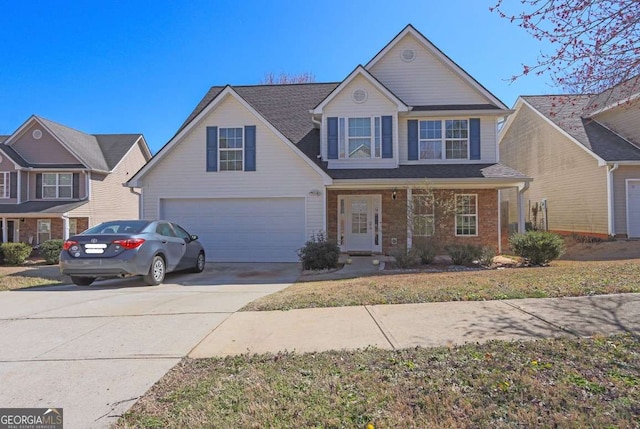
(257, 170)
(56, 181)
(583, 151)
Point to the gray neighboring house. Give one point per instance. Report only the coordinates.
(257, 170)
(56, 181)
(583, 152)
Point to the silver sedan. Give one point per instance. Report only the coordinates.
(129, 248)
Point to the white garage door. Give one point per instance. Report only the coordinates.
(242, 229)
(633, 208)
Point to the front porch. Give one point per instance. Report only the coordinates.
(388, 220)
(37, 229)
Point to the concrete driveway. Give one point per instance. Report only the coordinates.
(94, 350)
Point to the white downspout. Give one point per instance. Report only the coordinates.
(610, 209)
(521, 221)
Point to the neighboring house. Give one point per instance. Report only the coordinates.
(56, 181)
(583, 152)
(257, 170)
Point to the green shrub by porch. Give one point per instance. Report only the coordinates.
(538, 247)
(319, 253)
(50, 251)
(15, 253)
(463, 254)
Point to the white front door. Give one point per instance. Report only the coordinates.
(360, 223)
(633, 208)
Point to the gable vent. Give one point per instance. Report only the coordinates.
(408, 55)
(359, 95)
(37, 134)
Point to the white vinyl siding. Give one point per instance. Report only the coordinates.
(564, 174)
(343, 106)
(624, 121)
(108, 199)
(182, 173)
(425, 80)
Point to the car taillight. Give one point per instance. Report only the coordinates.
(67, 244)
(131, 243)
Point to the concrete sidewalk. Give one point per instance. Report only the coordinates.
(426, 325)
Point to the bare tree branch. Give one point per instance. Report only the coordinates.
(286, 78)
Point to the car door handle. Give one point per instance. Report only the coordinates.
(163, 241)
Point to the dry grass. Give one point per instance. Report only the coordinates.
(561, 278)
(29, 276)
(568, 383)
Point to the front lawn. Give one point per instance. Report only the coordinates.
(561, 278)
(568, 383)
(21, 277)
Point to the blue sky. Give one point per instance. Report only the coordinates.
(142, 66)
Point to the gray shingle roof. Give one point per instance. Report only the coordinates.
(95, 151)
(612, 96)
(51, 207)
(567, 112)
(287, 107)
(3, 138)
(436, 171)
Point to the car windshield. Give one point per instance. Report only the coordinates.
(118, 227)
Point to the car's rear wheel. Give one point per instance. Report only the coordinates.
(82, 281)
(156, 272)
(200, 261)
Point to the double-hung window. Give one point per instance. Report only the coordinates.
(4, 185)
(359, 137)
(453, 133)
(467, 214)
(422, 213)
(231, 149)
(57, 185)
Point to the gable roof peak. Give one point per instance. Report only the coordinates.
(444, 58)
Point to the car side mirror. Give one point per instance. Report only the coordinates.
(193, 237)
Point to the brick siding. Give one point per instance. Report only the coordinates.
(394, 217)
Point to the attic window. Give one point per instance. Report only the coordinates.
(37, 134)
(408, 55)
(359, 95)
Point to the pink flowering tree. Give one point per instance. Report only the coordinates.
(596, 43)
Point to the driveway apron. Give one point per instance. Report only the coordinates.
(93, 351)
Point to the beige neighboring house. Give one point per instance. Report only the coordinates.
(56, 181)
(583, 153)
(257, 170)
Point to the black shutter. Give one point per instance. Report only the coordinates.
(387, 137)
(250, 148)
(332, 138)
(76, 185)
(412, 128)
(13, 185)
(39, 186)
(212, 148)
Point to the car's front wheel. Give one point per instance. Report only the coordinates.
(82, 281)
(156, 272)
(200, 261)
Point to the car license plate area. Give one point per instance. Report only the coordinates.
(94, 248)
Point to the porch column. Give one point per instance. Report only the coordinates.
(409, 218)
(5, 230)
(521, 208)
(65, 227)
